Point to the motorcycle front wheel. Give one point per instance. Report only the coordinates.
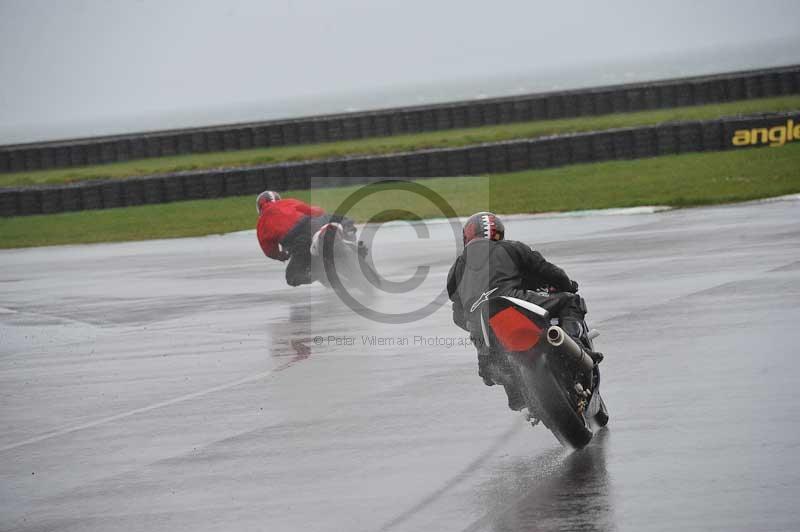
(351, 270)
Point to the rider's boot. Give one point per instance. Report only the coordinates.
(483, 369)
(602, 416)
(489, 368)
(516, 401)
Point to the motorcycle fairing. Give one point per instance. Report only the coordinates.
(516, 325)
(515, 332)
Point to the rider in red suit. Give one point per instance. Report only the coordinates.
(286, 228)
(276, 218)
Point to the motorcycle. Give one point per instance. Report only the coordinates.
(557, 379)
(339, 258)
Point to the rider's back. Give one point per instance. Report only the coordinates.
(487, 265)
(509, 266)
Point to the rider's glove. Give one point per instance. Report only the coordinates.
(283, 256)
(573, 287)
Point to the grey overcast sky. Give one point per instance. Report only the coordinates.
(84, 67)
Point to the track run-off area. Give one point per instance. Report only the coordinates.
(181, 385)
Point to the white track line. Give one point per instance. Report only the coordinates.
(103, 421)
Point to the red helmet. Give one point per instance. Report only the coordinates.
(268, 196)
(483, 225)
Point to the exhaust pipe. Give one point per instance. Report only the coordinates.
(558, 338)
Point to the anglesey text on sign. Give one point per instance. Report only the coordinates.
(774, 136)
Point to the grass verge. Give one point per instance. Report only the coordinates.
(383, 145)
(677, 180)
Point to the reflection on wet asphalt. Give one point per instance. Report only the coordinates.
(180, 385)
(576, 496)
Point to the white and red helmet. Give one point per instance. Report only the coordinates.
(483, 225)
(268, 196)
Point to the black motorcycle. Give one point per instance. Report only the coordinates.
(555, 376)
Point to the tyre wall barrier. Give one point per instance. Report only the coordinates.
(562, 104)
(629, 143)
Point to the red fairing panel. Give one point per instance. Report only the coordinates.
(514, 330)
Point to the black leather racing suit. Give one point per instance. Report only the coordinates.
(515, 270)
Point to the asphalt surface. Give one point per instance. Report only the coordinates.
(177, 385)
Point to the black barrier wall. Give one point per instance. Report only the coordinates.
(629, 143)
(562, 104)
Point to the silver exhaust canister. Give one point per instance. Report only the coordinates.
(565, 344)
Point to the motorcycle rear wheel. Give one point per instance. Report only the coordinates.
(554, 404)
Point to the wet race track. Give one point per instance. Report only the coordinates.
(180, 385)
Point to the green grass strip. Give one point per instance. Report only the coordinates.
(677, 180)
(384, 145)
